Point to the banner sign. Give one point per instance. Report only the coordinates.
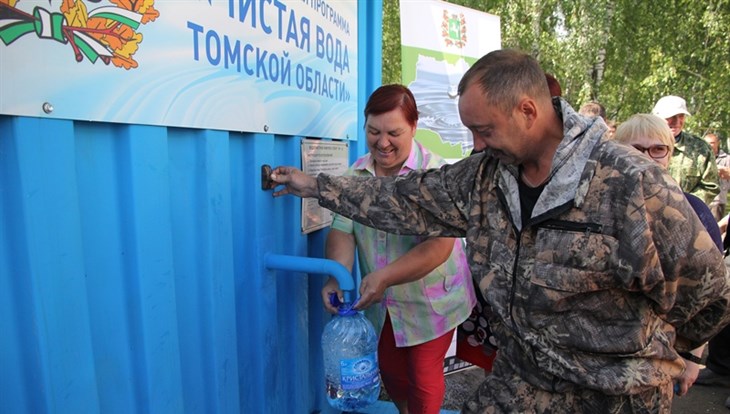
(281, 67)
(439, 42)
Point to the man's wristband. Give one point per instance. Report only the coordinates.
(689, 357)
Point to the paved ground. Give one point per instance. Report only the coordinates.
(699, 399)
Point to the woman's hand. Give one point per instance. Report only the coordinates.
(413, 265)
(691, 371)
(295, 181)
(688, 377)
(372, 289)
(331, 286)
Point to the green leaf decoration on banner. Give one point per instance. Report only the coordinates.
(108, 33)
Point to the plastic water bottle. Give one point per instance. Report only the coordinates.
(350, 345)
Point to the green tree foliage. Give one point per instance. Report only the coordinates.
(391, 42)
(622, 53)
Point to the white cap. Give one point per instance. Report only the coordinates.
(670, 105)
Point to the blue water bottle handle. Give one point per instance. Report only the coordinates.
(335, 301)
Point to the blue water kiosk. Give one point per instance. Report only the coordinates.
(142, 267)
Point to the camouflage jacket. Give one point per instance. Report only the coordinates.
(613, 274)
(693, 166)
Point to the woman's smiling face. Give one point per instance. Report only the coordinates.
(389, 138)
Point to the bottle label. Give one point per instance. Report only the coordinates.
(358, 372)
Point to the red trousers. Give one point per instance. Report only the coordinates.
(414, 373)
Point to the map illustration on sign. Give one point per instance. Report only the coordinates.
(435, 60)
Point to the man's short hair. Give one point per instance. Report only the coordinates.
(506, 75)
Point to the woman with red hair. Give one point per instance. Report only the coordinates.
(415, 290)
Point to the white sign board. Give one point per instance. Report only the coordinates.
(439, 42)
(319, 156)
(282, 67)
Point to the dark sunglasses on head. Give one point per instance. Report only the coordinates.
(658, 151)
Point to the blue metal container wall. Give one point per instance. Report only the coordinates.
(131, 268)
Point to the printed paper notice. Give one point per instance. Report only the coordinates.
(321, 157)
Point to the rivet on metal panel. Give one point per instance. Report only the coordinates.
(47, 107)
(266, 128)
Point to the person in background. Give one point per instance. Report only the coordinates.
(553, 85)
(719, 203)
(651, 136)
(419, 287)
(612, 125)
(593, 109)
(595, 267)
(693, 164)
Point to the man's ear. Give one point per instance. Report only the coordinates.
(527, 109)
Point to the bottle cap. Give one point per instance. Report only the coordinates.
(343, 309)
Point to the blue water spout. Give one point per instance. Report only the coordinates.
(274, 261)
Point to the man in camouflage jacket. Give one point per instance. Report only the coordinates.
(693, 161)
(595, 285)
(693, 166)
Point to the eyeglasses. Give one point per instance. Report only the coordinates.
(657, 152)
